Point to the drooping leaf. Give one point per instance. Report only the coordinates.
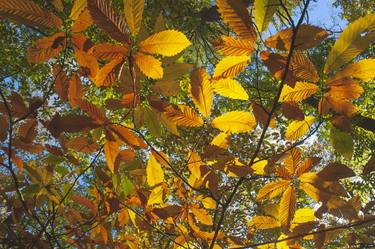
(263, 12)
(155, 174)
(230, 46)
(28, 13)
(307, 37)
(201, 91)
(301, 91)
(133, 10)
(356, 37)
(166, 43)
(107, 19)
(287, 206)
(230, 66)
(235, 14)
(149, 65)
(235, 122)
(298, 129)
(230, 88)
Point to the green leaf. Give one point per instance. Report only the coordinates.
(342, 142)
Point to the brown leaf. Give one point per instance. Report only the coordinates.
(17, 105)
(27, 131)
(76, 91)
(341, 122)
(82, 144)
(83, 22)
(370, 166)
(82, 43)
(46, 48)
(3, 128)
(107, 19)
(92, 110)
(261, 115)
(127, 136)
(88, 64)
(335, 172)
(291, 110)
(108, 74)
(61, 82)
(70, 123)
(108, 51)
(307, 37)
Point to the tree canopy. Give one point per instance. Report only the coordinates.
(186, 124)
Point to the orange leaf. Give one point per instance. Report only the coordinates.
(287, 206)
(201, 90)
(111, 150)
(149, 65)
(46, 48)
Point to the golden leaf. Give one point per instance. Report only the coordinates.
(301, 91)
(202, 216)
(184, 117)
(230, 46)
(201, 91)
(272, 190)
(235, 14)
(108, 51)
(263, 12)
(230, 88)
(298, 129)
(107, 75)
(230, 66)
(154, 172)
(235, 122)
(352, 41)
(111, 150)
(46, 48)
(150, 66)
(133, 10)
(76, 91)
(156, 196)
(77, 9)
(287, 206)
(166, 43)
(363, 69)
(264, 222)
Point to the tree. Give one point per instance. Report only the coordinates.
(163, 124)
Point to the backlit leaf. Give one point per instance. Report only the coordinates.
(287, 206)
(133, 10)
(264, 222)
(263, 12)
(149, 65)
(230, 66)
(155, 174)
(301, 91)
(298, 129)
(230, 88)
(77, 9)
(111, 150)
(230, 46)
(342, 142)
(272, 190)
(235, 122)
(166, 43)
(201, 91)
(356, 37)
(186, 116)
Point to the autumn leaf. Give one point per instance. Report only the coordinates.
(235, 122)
(149, 65)
(307, 37)
(155, 174)
(230, 46)
(235, 14)
(264, 11)
(287, 206)
(264, 222)
(202, 216)
(363, 69)
(272, 190)
(133, 10)
(156, 196)
(230, 66)
(298, 129)
(3, 128)
(184, 117)
(230, 88)
(108, 51)
(201, 91)
(107, 75)
(28, 13)
(111, 150)
(301, 91)
(351, 42)
(166, 43)
(46, 48)
(77, 9)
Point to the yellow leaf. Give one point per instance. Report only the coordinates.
(230, 66)
(207, 202)
(352, 41)
(263, 12)
(298, 129)
(202, 216)
(194, 164)
(133, 10)
(184, 117)
(235, 14)
(231, 46)
(293, 160)
(78, 7)
(235, 122)
(264, 222)
(259, 167)
(201, 91)
(166, 43)
(222, 140)
(345, 89)
(230, 88)
(154, 172)
(301, 91)
(107, 75)
(303, 215)
(111, 150)
(150, 66)
(287, 206)
(364, 70)
(156, 196)
(272, 190)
